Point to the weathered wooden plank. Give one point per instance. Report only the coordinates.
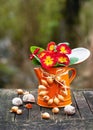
(5, 103)
(77, 114)
(46, 125)
(82, 105)
(89, 97)
(33, 114)
(82, 102)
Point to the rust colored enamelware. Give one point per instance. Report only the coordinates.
(60, 86)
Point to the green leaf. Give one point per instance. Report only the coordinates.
(33, 48)
(36, 62)
(59, 65)
(73, 60)
(37, 58)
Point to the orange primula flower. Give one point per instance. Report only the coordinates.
(41, 54)
(63, 59)
(48, 60)
(64, 49)
(51, 46)
(53, 56)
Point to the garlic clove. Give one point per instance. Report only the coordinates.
(17, 101)
(19, 111)
(44, 82)
(42, 87)
(46, 98)
(43, 93)
(50, 80)
(56, 101)
(14, 109)
(45, 115)
(50, 101)
(55, 110)
(60, 97)
(69, 110)
(20, 91)
(28, 98)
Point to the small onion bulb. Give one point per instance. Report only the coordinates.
(55, 110)
(45, 115)
(17, 101)
(14, 109)
(28, 98)
(19, 111)
(20, 91)
(69, 110)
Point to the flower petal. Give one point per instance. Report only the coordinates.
(64, 49)
(41, 54)
(63, 59)
(31, 56)
(36, 50)
(48, 60)
(34, 53)
(51, 46)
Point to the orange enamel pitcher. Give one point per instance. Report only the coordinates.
(54, 86)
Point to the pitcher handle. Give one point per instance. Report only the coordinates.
(72, 75)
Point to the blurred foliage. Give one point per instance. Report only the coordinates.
(6, 73)
(9, 22)
(71, 15)
(86, 19)
(49, 19)
(32, 20)
(37, 22)
(29, 22)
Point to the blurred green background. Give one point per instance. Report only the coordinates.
(36, 22)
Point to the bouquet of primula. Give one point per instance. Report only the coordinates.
(53, 56)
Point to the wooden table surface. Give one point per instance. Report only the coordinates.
(82, 120)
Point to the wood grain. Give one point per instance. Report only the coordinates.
(82, 120)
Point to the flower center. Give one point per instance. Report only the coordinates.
(51, 47)
(48, 60)
(62, 59)
(63, 50)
